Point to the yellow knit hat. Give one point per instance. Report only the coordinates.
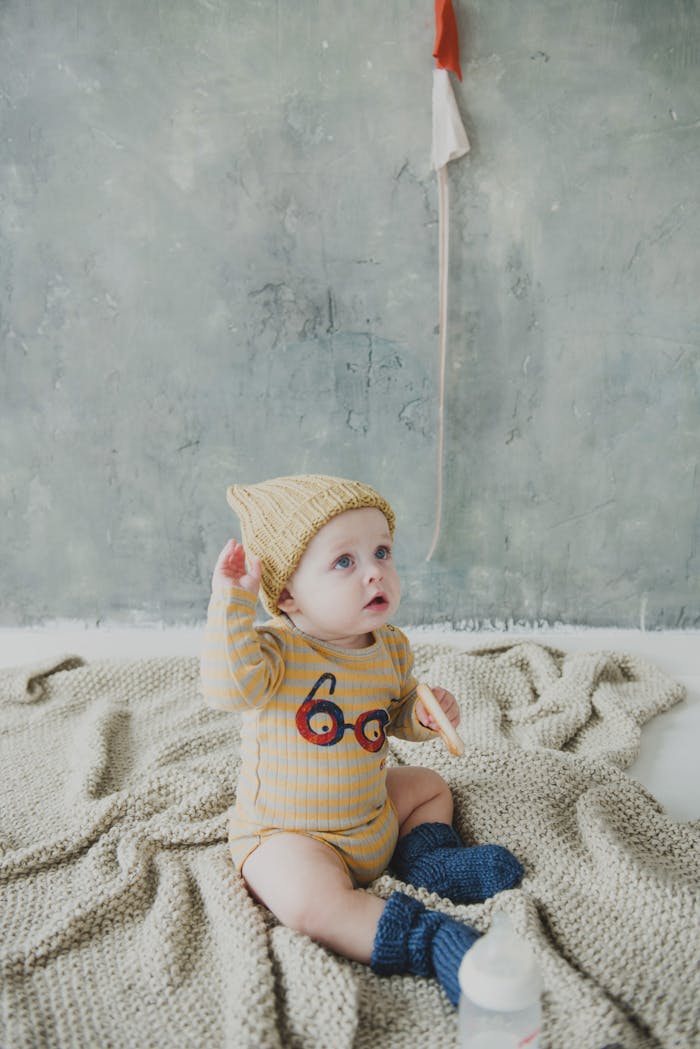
(279, 518)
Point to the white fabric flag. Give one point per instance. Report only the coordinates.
(449, 137)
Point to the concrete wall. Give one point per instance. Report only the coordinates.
(218, 262)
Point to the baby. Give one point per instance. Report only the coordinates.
(320, 686)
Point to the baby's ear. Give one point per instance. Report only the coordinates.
(285, 602)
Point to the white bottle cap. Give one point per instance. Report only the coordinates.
(500, 971)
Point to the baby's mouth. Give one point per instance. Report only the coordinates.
(378, 601)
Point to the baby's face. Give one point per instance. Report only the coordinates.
(346, 583)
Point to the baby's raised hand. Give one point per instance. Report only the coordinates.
(230, 569)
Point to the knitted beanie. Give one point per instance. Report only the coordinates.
(279, 518)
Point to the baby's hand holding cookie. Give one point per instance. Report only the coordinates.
(437, 709)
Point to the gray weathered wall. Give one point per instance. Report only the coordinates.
(218, 262)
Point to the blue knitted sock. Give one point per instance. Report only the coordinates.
(412, 939)
(433, 857)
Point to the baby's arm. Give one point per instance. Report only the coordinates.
(240, 667)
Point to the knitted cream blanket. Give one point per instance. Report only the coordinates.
(123, 923)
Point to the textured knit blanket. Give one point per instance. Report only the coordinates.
(123, 923)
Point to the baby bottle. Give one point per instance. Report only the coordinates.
(500, 985)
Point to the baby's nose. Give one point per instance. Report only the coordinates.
(374, 572)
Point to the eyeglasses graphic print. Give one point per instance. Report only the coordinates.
(322, 722)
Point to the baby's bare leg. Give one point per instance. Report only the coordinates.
(419, 796)
(308, 889)
(304, 883)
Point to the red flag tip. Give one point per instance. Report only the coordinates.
(446, 47)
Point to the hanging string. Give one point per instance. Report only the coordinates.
(443, 254)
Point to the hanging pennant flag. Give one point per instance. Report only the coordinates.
(449, 142)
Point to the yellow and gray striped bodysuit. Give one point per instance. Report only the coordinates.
(314, 724)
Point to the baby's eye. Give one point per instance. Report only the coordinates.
(343, 562)
(382, 553)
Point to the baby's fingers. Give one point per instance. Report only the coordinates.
(231, 560)
(231, 569)
(448, 703)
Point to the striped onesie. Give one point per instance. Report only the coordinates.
(315, 719)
